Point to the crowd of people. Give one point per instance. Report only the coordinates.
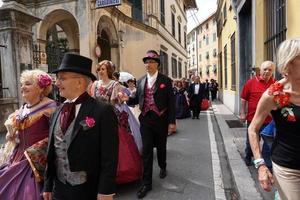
(189, 95)
(91, 139)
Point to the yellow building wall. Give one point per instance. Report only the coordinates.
(293, 16)
(292, 21)
(229, 28)
(260, 32)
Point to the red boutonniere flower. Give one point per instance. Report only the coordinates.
(90, 122)
(87, 123)
(162, 86)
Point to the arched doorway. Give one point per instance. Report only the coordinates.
(107, 39)
(103, 42)
(58, 33)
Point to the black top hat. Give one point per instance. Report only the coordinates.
(153, 55)
(76, 63)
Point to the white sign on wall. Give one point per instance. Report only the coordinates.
(107, 3)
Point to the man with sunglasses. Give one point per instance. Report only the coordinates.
(156, 101)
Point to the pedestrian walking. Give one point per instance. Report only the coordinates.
(250, 95)
(196, 95)
(282, 101)
(83, 138)
(21, 175)
(157, 103)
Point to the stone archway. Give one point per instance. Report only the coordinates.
(58, 34)
(107, 39)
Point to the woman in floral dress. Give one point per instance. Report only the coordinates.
(28, 127)
(282, 100)
(130, 142)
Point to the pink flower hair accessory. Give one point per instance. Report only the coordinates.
(44, 81)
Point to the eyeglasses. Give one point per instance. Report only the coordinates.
(149, 61)
(66, 78)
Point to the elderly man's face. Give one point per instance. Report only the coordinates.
(67, 83)
(266, 71)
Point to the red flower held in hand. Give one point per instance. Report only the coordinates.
(90, 122)
(162, 86)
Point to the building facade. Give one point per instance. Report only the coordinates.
(202, 49)
(207, 48)
(228, 76)
(261, 26)
(36, 34)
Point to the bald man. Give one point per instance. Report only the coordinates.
(250, 95)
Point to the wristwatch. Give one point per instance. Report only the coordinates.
(258, 162)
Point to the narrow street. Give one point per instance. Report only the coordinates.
(190, 168)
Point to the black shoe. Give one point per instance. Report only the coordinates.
(163, 173)
(143, 191)
(197, 117)
(193, 117)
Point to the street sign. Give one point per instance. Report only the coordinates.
(107, 3)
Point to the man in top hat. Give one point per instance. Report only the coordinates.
(155, 97)
(83, 139)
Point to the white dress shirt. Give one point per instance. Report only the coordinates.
(197, 86)
(151, 79)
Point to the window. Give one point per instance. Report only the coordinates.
(233, 66)
(224, 14)
(206, 26)
(275, 25)
(179, 33)
(200, 57)
(207, 55)
(162, 12)
(200, 44)
(174, 67)
(214, 37)
(207, 70)
(173, 25)
(1, 90)
(179, 69)
(184, 38)
(220, 74)
(207, 40)
(164, 67)
(214, 68)
(214, 52)
(225, 65)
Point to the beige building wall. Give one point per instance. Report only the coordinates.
(128, 38)
(208, 48)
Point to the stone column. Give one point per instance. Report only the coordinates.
(16, 23)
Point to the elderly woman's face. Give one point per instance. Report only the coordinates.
(30, 90)
(294, 68)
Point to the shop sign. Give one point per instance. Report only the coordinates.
(107, 3)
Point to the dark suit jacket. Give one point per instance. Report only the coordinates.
(163, 95)
(191, 92)
(94, 150)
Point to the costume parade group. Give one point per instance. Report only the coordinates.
(85, 146)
